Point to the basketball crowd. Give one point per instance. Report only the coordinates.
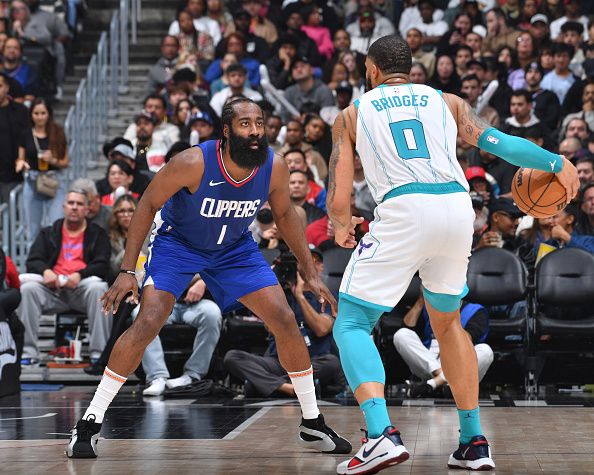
(526, 66)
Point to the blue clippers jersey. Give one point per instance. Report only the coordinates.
(219, 212)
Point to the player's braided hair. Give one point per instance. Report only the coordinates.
(229, 112)
(391, 54)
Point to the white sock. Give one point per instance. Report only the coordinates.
(108, 388)
(431, 382)
(438, 380)
(303, 384)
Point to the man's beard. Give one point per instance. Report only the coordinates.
(243, 155)
(368, 86)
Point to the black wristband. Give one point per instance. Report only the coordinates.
(126, 271)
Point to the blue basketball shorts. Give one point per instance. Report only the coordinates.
(229, 274)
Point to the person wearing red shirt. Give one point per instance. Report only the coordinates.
(296, 160)
(71, 258)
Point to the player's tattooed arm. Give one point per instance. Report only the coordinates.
(470, 125)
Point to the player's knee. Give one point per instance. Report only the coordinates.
(401, 337)
(445, 323)
(149, 322)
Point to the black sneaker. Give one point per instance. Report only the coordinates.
(315, 434)
(83, 442)
(420, 390)
(475, 455)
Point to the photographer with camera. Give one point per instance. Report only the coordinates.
(264, 375)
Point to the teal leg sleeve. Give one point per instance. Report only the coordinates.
(470, 424)
(376, 416)
(444, 302)
(360, 359)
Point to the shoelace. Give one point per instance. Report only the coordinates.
(365, 439)
(84, 431)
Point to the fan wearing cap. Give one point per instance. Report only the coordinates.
(478, 182)
(236, 75)
(501, 172)
(545, 103)
(202, 123)
(367, 34)
(504, 217)
(306, 87)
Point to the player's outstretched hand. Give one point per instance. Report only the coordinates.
(324, 295)
(345, 236)
(123, 285)
(568, 177)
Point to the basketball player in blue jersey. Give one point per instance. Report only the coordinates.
(208, 196)
(405, 135)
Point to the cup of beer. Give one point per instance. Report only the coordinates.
(42, 164)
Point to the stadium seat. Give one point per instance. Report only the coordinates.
(497, 277)
(335, 262)
(565, 294)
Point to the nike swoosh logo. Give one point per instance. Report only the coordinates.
(367, 453)
(215, 183)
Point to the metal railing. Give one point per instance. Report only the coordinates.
(87, 120)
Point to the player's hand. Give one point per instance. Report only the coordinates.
(568, 177)
(324, 295)
(123, 285)
(195, 292)
(345, 236)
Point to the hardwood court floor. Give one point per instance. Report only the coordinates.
(525, 440)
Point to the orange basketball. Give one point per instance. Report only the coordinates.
(537, 193)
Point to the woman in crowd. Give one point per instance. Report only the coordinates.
(181, 116)
(339, 73)
(475, 42)
(43, 156)
(314, 29)
(526, 49)
(455, 37)
(217, 12)
(119, 177)
(349, 59)
(193, 41)
(317, 136)
(508, 57)
(445, 77)
(418, 74)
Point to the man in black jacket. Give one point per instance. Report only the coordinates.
(71, 259)
(14, 118)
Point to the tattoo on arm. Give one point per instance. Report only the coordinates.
(472, 123)
(338, 130)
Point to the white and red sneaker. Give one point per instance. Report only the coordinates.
(376, 454)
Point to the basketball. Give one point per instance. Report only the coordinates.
(538, 193)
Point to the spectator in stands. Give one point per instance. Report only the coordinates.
(42, 149)
(279, 65)
(445, 77)
(342, 44)
(471, 87)
(586, 219)
(273, 127)
(317, 135)
(418, 74)
(123, 151)
(585, 168)
(569, 147)
(120, 177)
(522, 116)
(564, 234)
(367, 33)
(98, 214)
(546, 103)
(10, 295)
(526, 49)
(294, 139)
(502, 171)
(306, 46)
(504, 217)
(162, 71)
(202, 123)
(298, 190)
(587, 112)
(414, 38)
(218, 13)
(181, 117)
(316, 195)
(221, 83)
(479, 183)
(194, 41)
(339, 73)
(260, 25)
(432, 30)
(14, 66)
(119, 223)
(577, 127)
(197, 10)
(461, 60)
(313, 28)
(356, 79)
(264, 375)
(475, 42)
(419, 348)
(383, 25)
(235, 75)
(204, 315)
(235, 44)
(451, 41)
(14, 119)
(561, 78)
(572, 33)
(498, 32)
(572, 13)
(307, 88)
(539, 30)
(164, 133)
(364, 201)
(31, 23)
(71, 259)
(508, 59)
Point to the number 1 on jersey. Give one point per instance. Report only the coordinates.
(409, 138)
(222, 235)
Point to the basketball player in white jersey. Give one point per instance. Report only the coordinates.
(405, 135)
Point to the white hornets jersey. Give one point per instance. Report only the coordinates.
(406, 134)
